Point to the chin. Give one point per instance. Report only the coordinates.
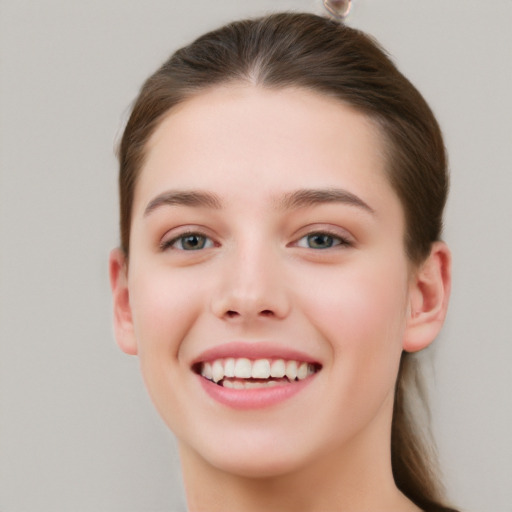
(262, 466)
(264, 456)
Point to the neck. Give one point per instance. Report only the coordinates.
(352, 479)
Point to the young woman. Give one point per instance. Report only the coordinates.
(282, 188)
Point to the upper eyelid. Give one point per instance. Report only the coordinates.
(333, 231)
(184, 230)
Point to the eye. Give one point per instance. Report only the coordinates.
(189, 242)
(321, 241)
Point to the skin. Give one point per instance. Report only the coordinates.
(352, 307)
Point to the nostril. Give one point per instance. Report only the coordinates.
(233, 314)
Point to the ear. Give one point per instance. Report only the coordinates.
(429, 291)
(123, 322)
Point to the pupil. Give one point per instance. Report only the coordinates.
(193, 242)
(320, 241)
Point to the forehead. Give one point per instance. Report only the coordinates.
(241, 137)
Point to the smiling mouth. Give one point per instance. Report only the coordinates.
(244, 373)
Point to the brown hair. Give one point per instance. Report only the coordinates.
(304, 50)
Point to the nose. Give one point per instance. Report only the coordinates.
(251, 285)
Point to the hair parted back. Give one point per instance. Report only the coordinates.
(303, 50)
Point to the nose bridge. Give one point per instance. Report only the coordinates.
(250, 283)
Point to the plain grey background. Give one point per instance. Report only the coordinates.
(77, 432)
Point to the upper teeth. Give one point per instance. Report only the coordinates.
(243, 368)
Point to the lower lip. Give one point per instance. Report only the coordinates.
(253, 398)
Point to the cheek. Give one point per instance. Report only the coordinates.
(164, 306)
(361, 302)
(362, 317)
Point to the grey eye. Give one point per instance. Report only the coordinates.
(320, 241)
(190, 242)
(193, 242)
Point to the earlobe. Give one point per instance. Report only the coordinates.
(429, 293)
(123, 322)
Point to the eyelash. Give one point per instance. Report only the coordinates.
(207, 243)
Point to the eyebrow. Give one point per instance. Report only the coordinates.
(302, 198)
(184, 198)
(311, 197)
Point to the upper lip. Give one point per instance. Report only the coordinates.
(253, 350)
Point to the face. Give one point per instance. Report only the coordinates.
(268, 284)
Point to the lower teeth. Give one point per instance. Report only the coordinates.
(251, 384)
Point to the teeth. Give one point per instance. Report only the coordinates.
(243, 368)
(302, 371)
(228, 384)
(261, 369)
(278, 368)
(217, 371)
(229, 367)
(238, 384)
(206, 371)
(291, 370)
